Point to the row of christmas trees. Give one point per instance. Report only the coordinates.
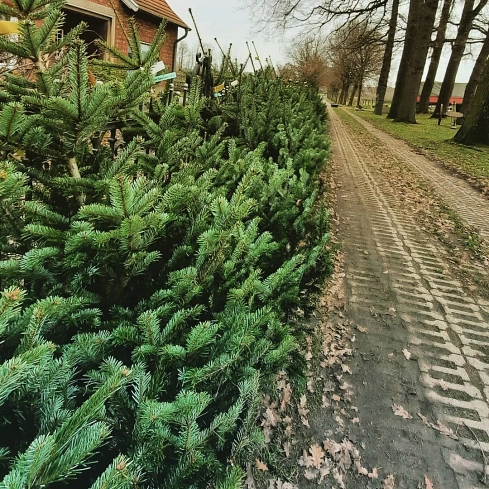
(145, 295)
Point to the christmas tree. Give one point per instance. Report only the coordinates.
(145, 291)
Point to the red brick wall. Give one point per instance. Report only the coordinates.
(148, 26)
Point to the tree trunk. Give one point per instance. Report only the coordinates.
(407, 54)
(474, 128)
(359, 98)
(342, 97)
(387, 59)
(352, 95)
(468, 15)
(424, 100)
(416, 44)
(475, 77)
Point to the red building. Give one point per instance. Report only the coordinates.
(457, 96)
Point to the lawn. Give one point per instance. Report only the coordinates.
(436, 142)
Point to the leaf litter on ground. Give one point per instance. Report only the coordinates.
(285, 419)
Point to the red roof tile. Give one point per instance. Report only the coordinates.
(160, 8)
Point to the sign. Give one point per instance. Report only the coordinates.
(157, 67)
(166, 76)
(219, 88)
(8, 27)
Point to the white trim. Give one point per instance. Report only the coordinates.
(131, 4)
(95, 10)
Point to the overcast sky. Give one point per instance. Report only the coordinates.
(230, 22)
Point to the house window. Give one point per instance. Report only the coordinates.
(144, 49)
(97, 28)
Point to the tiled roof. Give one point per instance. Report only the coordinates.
(160, 8)
(458, 89)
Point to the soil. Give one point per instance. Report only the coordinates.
(398, 355)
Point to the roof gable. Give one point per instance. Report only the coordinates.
(161, 9)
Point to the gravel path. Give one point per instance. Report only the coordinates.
(399, 286)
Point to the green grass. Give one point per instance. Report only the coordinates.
(436, 142)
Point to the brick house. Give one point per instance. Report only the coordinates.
(108, 19)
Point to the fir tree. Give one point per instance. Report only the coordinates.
(144, 293)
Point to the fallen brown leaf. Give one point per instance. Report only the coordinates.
(285, 485)
(286, 395)
(345, 368)
(360, 470)
(260, 465)
(271, 418)
(323, 472)
(388, 482)
(442, 428)
(344, 461)
(428, 483)
(338, 477)
(445, 430)
(267, 432)
(400, 411)
(310, 474)
(317, 455)
(424, 419)
(362, 329)
(302, 410)
(340, 421)
(373, 474)
(286, 445)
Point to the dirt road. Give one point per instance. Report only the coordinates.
(421, 370)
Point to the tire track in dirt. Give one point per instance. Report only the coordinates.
(398, 283)
(469, 204)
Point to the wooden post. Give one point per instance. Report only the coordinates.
(185, 90)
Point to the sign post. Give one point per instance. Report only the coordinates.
(166, 76)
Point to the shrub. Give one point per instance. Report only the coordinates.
(144, 295)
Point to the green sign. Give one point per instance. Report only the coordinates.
(166, 76)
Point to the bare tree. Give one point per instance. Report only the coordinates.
(424, 99)
(387, 59)
(474, 128)
(184, 57)
(292, 13)
(356, 54)
(469, 13)
(308, 59)
(421, 19)
(476, 75)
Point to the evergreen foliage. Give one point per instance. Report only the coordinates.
(145, 295)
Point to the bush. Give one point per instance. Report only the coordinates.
(144, 295)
